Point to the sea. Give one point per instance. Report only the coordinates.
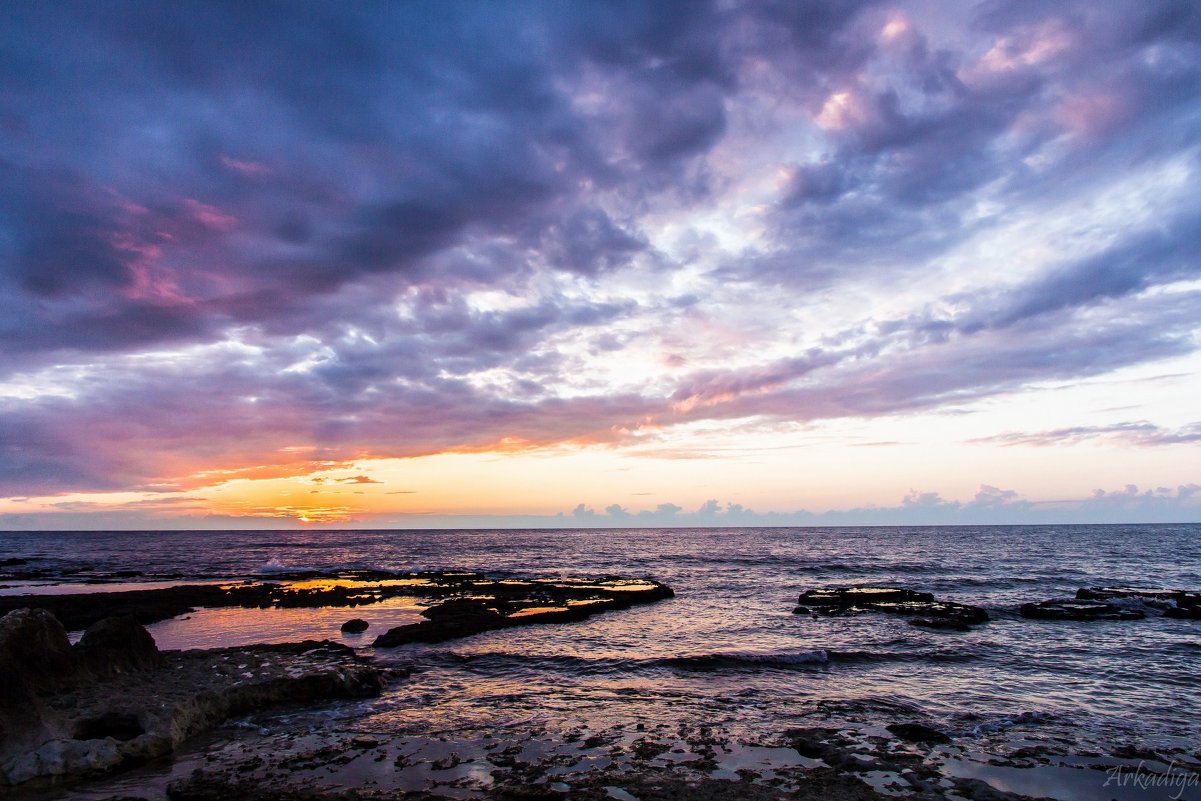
(728, 650)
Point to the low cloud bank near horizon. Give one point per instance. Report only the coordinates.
(990, 506)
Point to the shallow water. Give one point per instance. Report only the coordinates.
(727, 650)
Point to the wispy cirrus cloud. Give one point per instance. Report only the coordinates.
(1141, 434)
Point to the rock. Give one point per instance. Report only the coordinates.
(118, 725)
(1172, 603)
(917, 733)
(505, 604)
(355, 626)
(35, 645)
(1078, 609)
(13, 562)
(1106, 593)
(130, 717)
(117, 645)
(22, 714)
(842, 597)
(1185, 611)
(922, 607)
(356, 588)
(35, 655)
(364, 741)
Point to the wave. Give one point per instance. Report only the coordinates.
(745, 660)
(1004, 722)
(275, 566)
(734, 660)
(748, 659)
(559, 662)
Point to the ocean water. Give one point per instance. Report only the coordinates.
(727, 650)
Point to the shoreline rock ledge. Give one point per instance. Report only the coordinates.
(489, 604)
(114, 700)
(921, 608)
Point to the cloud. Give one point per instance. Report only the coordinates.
(1138, 434)
(401, 230)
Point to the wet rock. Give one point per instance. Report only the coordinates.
(22, 714)
(117, 645)
(917, 733)
(505, 604)
(1172, 603)
(1078, 609)
(118, 725)
(355, 626)
(921, 607)
(128, 717)
(35, 656)
(1188, 608)
(34, 644)
(79, 610)
(844, 597)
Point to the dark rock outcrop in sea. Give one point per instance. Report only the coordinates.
(113, 699)
(350, 589)
(1172, 603)
(917, 733)
(1078, 609)
(355, 626)
(491, 605)
(922, 608)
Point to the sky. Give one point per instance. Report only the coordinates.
(599, 263)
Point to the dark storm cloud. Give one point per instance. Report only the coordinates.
(299, 199)
(311, 146)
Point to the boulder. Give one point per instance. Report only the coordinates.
(917, 733)
(34, 655)
(117, 645)
(921, 607)
(355, 626)
(1173, 603)
(35, 645)
(1188, 606)
(1079, 609)
(22, 714)
(111, 722)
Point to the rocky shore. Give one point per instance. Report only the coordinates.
(114, 700)
(78, 610)
(909, 760)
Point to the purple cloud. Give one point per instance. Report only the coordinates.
(239, 233)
